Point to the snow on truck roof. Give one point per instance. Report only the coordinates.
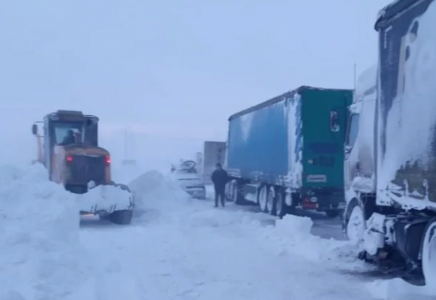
(366, 83)
(69, 115)
(280, 98)
(393, 10)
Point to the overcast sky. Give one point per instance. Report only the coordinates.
(173, 69)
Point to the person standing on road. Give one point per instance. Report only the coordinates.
(219, 179)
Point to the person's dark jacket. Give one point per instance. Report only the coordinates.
(68, 140)
(219, 178)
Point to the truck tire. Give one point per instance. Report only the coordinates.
(262, 197)
(355, 224)
(121, 217)
(429, 256)
(280, 206)
(270, 201)
(295, 200)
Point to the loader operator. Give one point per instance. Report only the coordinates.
(219, 179)
(69, 139)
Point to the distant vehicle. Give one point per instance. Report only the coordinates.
(186, 174)
(288, 152)
(68, 148)
(390, 168)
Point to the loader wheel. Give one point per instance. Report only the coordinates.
(104, 217)
(121, 217)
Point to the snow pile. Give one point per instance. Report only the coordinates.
(397, 289)
(153, 188)
(123, 173)
(40, 253)
(292, 236)
(104, 197)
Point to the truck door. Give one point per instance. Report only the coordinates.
(351, 164)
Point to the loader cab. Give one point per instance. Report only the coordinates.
(69, 129)
(57, 127)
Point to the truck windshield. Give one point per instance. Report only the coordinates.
(61, 131)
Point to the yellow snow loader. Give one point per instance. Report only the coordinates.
(68, 148)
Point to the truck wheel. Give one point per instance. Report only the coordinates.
(236, 197)
(281, 207)
(263, 198)
(229, 191)
(356, 225)
(429, 256)
(121, 217)
(270, 199)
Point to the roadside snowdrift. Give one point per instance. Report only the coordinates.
(153, 188)
(160, 196)
(191, 250)
(40, 253)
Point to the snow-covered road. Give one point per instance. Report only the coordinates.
(176, 248)
(185, 249)
(192, 251)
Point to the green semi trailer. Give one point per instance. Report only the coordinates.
(288, 151)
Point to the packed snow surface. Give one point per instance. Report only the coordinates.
(40, 252)
(176, 248)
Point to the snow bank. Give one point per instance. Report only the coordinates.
(40, 253)
(292, 236)
(157, 194)
(153, 188)
(397, 289)
(104, 197)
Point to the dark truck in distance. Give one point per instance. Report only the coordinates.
(288, 152)
(390, 168)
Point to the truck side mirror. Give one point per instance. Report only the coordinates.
(334, 121)
(34, 129)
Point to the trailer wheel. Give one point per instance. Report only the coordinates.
(429, 256)
(280, 204)
(229, 190)
(262, 197)
(236, 197)
(270, 199)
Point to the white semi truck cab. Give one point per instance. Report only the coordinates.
(390, 163)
